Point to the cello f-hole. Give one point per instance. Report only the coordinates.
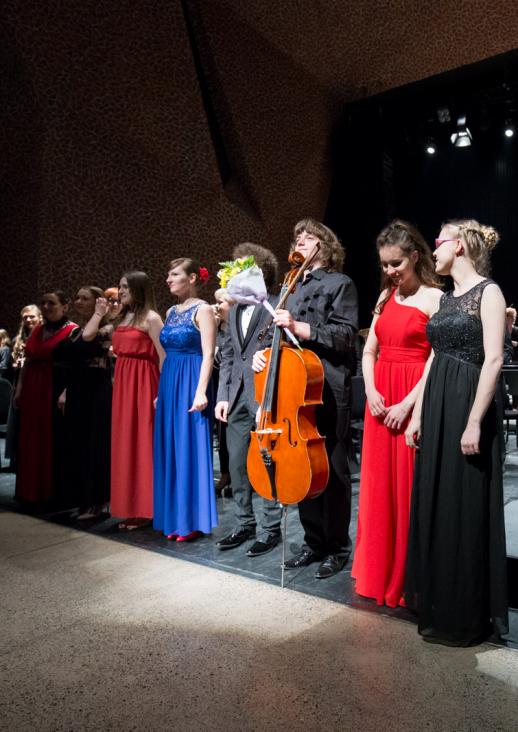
(293, 443)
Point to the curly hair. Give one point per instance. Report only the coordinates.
(409, 239)
(332, 253)
(478, 239)
(264, 258)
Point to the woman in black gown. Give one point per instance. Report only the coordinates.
(83, 362)
(456, 567)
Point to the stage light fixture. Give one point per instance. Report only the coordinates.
(463, 137)
(509, 129)
(431, 147)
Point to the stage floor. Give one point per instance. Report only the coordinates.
(268, 567)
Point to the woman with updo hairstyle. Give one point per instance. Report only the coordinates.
(184, 498)
(393, 362)
(35, 398)
(85, 400)
(136, 343)
(456, 569)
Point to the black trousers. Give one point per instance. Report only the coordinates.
(326, 519)
(241, 421)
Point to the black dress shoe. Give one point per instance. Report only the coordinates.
(236, 538)
(302, 559)
(331, 565)
(264, 546)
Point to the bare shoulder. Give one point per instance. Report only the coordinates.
(384, 294)
(153, 319)
(492, 295)
(205, 313)
(433, 294)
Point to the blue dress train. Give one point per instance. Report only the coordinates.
(184, 496)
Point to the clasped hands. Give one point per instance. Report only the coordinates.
(393, 416)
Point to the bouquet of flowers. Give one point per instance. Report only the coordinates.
(231, 269)
(244, 282)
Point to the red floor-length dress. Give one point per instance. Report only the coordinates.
(35, 479)
(387, 467)
(135, 387)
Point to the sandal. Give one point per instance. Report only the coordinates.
(136, 523)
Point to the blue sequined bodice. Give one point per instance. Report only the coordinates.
(456, 328)
(180, 334)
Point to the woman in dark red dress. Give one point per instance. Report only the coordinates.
(35, 396)
(393, 361)
(136, 344)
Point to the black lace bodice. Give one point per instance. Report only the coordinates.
(456, 329)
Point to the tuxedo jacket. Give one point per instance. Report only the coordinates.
(235, 371)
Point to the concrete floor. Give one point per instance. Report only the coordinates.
(99, 635)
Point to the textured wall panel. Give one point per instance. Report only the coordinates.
(108, 146)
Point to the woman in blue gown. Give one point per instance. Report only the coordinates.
(184, 497)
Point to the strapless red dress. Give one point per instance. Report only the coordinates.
(387, 467)
(135, 387)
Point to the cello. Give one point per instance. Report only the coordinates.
(287, 459)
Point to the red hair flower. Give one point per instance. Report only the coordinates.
(204, 274)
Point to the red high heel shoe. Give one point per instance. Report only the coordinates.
(189, 537)
(172, 537)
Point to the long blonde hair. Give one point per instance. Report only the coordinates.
(479, 240)
(23, 333)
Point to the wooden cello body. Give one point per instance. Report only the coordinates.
(287, 460)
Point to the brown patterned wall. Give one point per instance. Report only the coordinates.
(111, 158)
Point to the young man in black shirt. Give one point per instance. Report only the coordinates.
(322, 313)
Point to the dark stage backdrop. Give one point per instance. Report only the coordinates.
(381, 169)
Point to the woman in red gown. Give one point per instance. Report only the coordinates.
(35, 395)
(393, 362)
(136, 344)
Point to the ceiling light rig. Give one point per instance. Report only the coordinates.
(463, 137)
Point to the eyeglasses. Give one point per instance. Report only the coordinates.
(438, 242)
